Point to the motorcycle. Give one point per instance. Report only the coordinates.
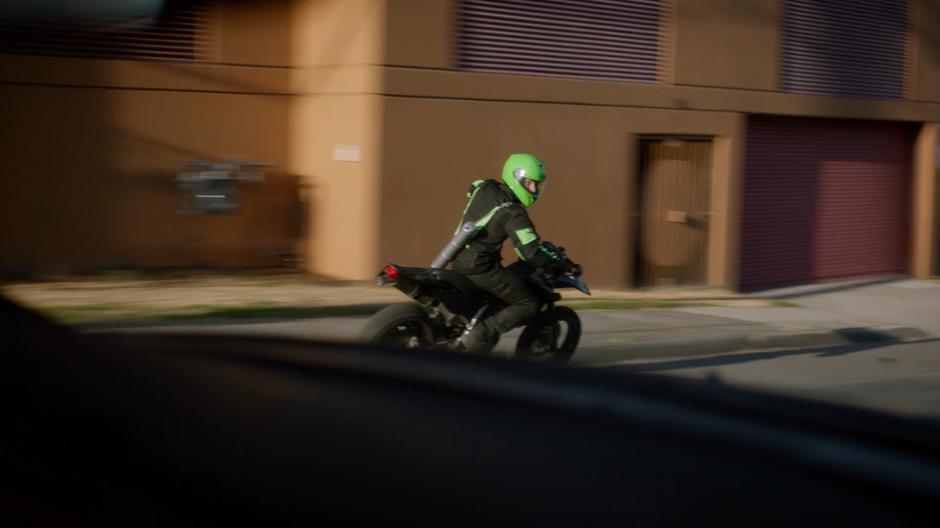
(448, 305)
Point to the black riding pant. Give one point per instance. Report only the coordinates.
(511, 289)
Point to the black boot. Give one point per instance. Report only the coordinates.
(477, 339)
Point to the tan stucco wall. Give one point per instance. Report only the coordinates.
(421, 33)
(251, 32)
(483, 86)
(722, 59)
(343, 195)
(593, 106)
(435, 148)
(726, 202)
(336, 32)
(742, 34)
(335, 46)
(924, 206)
(926, 51)
(289, 80)
(727, 43)
(143, 75)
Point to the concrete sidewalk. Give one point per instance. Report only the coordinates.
(897, 300)
(699, 322)
(702, 331)
(885, 309)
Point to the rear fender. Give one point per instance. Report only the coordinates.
(418, 283)
(428, 287)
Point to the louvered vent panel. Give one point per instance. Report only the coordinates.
(594, 39)
(181, 33)
(846, 48)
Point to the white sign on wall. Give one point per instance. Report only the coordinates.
(347, 153)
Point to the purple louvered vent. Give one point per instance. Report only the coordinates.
(181, 32)
(597, 39)
(847, 48)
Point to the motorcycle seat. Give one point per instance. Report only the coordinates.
(460, 282)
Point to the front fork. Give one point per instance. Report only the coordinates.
(546, 315)
(547, 308)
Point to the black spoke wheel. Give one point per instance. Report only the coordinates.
(402, 325)
(551, 339)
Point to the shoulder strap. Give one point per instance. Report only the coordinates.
(474, 187)
(482, 222)
(471, 194)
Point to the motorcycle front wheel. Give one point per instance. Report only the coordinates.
(403, 325)
(553, 339)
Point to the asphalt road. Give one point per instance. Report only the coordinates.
(896, 378)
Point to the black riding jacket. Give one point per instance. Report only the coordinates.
(509, 220)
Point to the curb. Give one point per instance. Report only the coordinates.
(724, 345)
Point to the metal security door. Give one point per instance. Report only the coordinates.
(674, 201)
(824, 199)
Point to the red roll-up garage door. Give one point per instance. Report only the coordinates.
(824, 199)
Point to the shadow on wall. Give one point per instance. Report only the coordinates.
(90, 180)
(59, 178)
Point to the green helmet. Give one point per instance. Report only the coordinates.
(525, 175)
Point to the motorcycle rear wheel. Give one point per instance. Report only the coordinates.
(403, 325)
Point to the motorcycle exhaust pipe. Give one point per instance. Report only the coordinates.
(463, 236)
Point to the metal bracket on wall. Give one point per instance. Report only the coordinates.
(212, 187)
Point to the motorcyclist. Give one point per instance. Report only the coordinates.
(500, 207)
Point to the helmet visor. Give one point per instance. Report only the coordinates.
(533, 187)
